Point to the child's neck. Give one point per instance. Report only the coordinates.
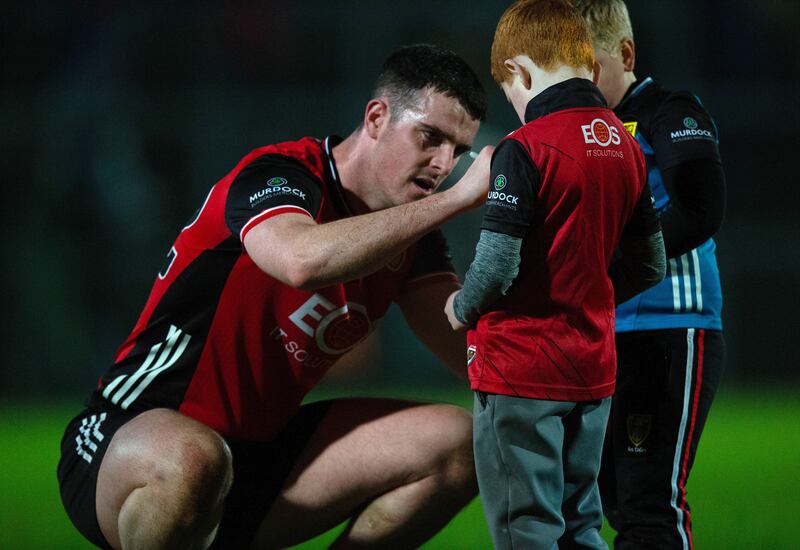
(543, 79)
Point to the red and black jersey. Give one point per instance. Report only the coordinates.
(232, 347)
(568, 183)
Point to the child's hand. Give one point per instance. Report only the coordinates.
(451, 314)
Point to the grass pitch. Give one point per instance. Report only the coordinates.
(744, 489)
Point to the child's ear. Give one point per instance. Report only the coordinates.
(519, 71)
(628, 51)
(596, 69)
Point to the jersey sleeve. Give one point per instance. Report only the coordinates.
(268, 186)
(512, 189)
(682, 130)
(432, 261)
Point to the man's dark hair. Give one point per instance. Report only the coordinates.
(411, 69)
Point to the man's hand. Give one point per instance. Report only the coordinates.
(451, 314)
(474, 184)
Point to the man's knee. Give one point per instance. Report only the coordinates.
(206, 459)
(203, 458)
(197, 469)
(162, 461)
(451, 442)
(165, 447)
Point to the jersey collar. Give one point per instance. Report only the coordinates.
(635, 89)
(337, 193)
(569, 94)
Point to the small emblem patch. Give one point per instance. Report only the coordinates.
(470, 355)
(638, 428)
(275, 182)
(631, 127)
(499, 182)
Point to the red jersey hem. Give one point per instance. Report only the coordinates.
(545, 392)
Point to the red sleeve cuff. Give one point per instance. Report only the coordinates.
(269, 213)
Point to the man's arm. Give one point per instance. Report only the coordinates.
(422, 309)
(294, 249)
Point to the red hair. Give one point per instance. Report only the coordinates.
(551, 32)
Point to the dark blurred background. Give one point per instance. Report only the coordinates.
(116, 118)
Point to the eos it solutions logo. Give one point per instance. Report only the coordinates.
(500, 183)
(598, 131)
(334, 329)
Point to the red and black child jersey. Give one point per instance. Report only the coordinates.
(569, 183)
(225, 343)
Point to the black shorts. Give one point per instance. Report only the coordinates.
(259, 471)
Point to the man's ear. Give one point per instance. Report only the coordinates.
(628, 51)
(596, 70)
(376, 116)
(520, 71)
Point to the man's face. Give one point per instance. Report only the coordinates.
(417, 149)
(612, 76)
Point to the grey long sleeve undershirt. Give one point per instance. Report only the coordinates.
(496, 264)
(641, 263)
